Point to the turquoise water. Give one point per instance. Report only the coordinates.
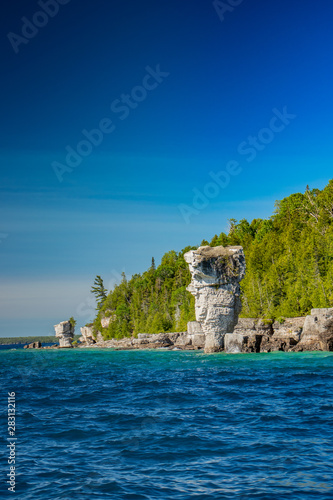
(99, 424)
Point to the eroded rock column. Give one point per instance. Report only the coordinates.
(65, 333)
(216, 275)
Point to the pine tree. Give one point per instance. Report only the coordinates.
(99, 291)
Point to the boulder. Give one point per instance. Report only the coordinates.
(216, 273)
(65, 333)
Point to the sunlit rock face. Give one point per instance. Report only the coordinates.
(87, 335)
(317, 334)
(65, 333)
(216, 274)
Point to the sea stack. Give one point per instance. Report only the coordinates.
(65, 333)
(216, 274)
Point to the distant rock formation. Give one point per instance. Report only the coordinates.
(216, 274)
(65, 333)
(33, 345)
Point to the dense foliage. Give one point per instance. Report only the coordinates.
(289, 271)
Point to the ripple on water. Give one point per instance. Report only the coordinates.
(182, 425)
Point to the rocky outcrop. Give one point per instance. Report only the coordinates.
(87, 335)
(266, 336)
(33, 345)
(310, 333)
(65, 333)
(216, 274)
(105, 322)
(317, 334)
(234, 342)
(250, 335)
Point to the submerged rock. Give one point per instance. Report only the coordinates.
(216, 274)
(65, 333)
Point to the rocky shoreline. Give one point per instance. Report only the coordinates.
(310, 333)
(216, 273)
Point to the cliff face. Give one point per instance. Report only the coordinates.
(65, 333)
(216, 274)
(307, 333)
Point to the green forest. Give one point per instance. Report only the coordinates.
(289, 259)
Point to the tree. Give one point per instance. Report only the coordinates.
(99, 291)
(72, 322)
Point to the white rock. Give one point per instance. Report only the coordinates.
(65, 333)
(216, 274)
(233, 342)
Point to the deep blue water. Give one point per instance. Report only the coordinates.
(139, 425)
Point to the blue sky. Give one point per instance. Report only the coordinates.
(124, 201)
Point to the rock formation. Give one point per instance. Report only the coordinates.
(250, 335)
(65, 333)
(33, 345)
(216, 274)
(317, 334)
(87, 335)
(234, 342)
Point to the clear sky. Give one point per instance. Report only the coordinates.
(190, 113)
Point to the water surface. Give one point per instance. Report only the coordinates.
(95, 424)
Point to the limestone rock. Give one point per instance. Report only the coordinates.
(65, 332)
(87, 335)
(234, 342)
(183, 340)
(193, 327)
(105, 322)
(198, 340)
(265, 336)
(216, 273)
(317, 332)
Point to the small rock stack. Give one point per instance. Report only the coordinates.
(65, 333)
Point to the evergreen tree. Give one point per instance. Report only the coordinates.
(99, 291)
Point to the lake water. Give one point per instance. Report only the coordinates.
(144, 425)
(21, 346)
